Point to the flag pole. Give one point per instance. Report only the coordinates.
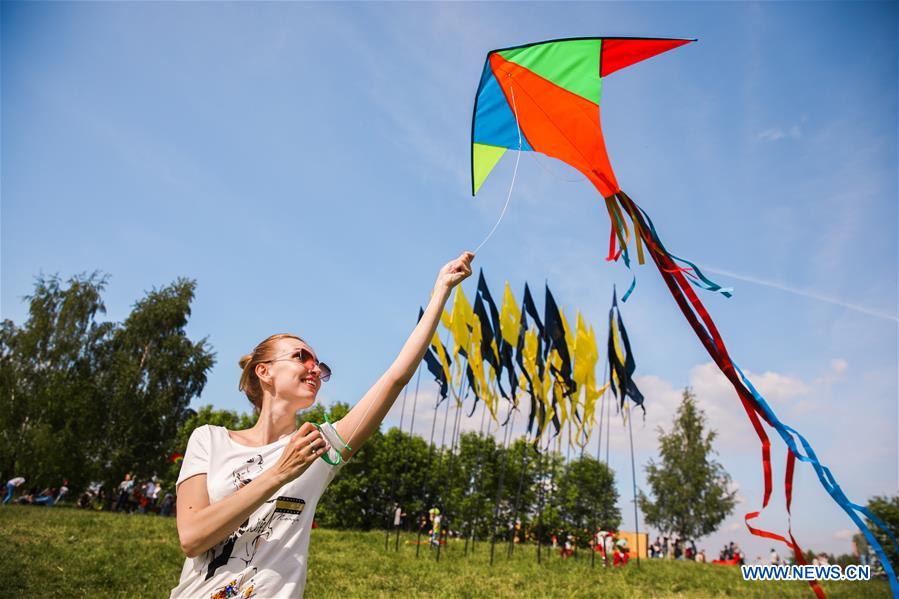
(473, 486)
(524, 465)
(630, 427)
(428, 472)
(451, 470)
(507, 442)
(542, 499)
(605, 374)
(390, 509)
(608, 425)
(396, 545)
(430, 454)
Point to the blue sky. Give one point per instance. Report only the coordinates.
(307, 164)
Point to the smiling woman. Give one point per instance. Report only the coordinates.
(246, 499)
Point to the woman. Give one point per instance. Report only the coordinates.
(246, 499)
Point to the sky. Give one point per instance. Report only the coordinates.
(308, 165)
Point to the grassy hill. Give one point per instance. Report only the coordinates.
(59, 551)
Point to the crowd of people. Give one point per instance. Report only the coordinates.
(676, 548)
(49, 497)
(130, 496)
(731, 554)
(143, 497)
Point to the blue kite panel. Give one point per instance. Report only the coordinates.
(494, 122)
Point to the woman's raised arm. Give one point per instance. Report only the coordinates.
(366, 416)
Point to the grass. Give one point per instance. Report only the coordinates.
(60, 551)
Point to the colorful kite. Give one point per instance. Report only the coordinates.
(545, 97)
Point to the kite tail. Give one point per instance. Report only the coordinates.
(679, 280)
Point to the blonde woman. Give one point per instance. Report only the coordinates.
(246, 498)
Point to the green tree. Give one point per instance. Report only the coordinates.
(49, 370)
(152, 372)
(89, 400)
(887, 509)
(588, 497)
(692, 495)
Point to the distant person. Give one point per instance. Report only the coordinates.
(568, 547)
(398, 514)
(124, 493)
(11, 485)
(247, 499)
(435, 518)
(45, 498)
(700, 556)
(154, 496)
(63, 490)
(168, 501)
(150, 492)
(28, 497)
(622, 553)
(775, 557)
(605, 545)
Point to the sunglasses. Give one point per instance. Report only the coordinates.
(305, 357)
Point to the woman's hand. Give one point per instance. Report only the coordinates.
(306, 446)
(454, 272)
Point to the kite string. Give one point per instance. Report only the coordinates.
(514, 174)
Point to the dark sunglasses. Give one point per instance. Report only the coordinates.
(305, 357)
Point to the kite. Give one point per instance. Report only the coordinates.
(545, 97)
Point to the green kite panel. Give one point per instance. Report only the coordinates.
(484, 158)
(570, 64)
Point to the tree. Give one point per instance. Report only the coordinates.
(49, 368)
(152, 371)
(691, 490)
(90, 400)
(588, 498)
(887, 509)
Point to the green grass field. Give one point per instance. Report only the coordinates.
(59, 551)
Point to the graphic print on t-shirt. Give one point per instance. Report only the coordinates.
(236, 589)
(286, 509)
(289, 505)
(246, 473)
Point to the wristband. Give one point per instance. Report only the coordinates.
(332, 456)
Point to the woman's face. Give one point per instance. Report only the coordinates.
(294, 373)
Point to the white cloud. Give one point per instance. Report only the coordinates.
(776, 133)
(844, 534)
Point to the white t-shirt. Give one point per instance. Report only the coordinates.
(266, 556)
(16, 481)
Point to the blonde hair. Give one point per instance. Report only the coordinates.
(265, 351)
